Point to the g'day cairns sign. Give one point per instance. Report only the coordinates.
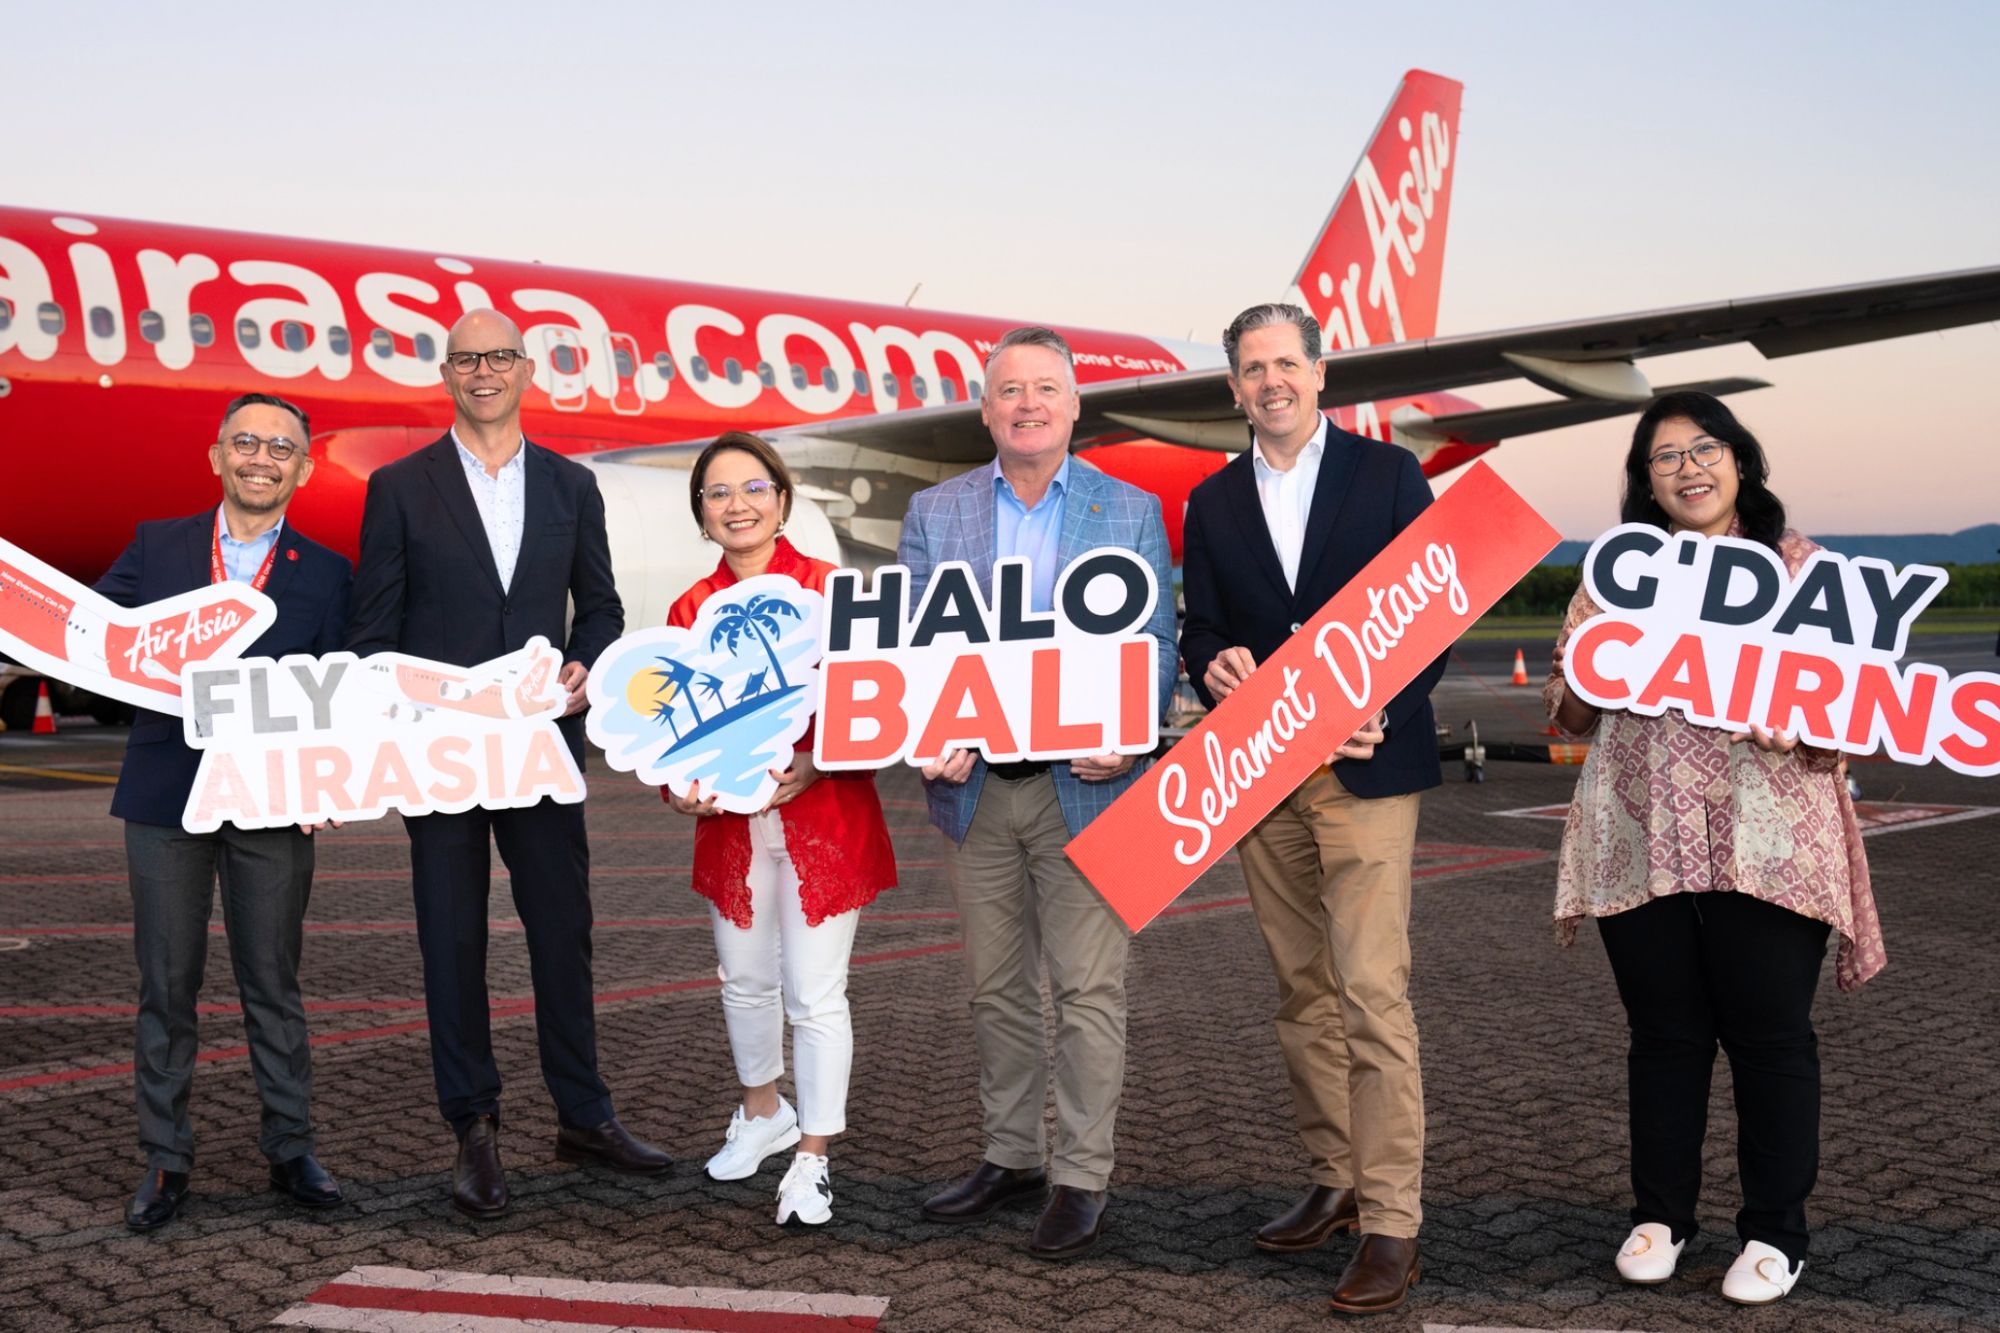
(1303, 702)
(1718, 629)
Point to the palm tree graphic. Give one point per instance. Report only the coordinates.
(759, 617)
(680, 682)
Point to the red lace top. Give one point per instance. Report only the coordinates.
(834, 829)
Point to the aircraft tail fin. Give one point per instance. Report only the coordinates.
(1372, 275)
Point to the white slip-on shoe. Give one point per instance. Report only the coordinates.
(1760, 1275)
(1649, 1254)
(804, 1194)
(749, 1142)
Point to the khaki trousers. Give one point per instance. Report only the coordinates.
(1020, 903)
(1329, 877)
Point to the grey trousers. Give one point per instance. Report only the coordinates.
(1021, 903)
(266, 877)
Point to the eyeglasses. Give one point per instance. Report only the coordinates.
(277, 446)
(758, 492)
(1706, 454)
(500, 360)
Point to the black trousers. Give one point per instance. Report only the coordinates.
(1695, 970)
(548, 857)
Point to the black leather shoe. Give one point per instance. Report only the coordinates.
(1070, 1224)
(478, 1185)
(160, 1196)
(610, 1145)
(306, 1181)
(984, 1192)
(1306, 1225)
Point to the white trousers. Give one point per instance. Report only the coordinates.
(781, 967)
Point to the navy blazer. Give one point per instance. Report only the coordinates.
(427, 584)
(1366, 493)
(308, 582)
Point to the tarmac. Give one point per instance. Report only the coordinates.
(1525, 1190)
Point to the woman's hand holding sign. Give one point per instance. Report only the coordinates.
(796, 779)
(692, 803)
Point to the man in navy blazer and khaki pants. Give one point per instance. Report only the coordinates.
(1268, 540)
(470, 547)
(262, 456)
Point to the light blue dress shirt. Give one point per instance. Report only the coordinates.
(1019, 530)
(502, 502)
(242, 560)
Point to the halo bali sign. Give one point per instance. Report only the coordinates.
(719, 703)
(1717, 629)
(987, 673)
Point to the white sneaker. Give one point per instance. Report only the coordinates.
(804, 1193)
(1649, 1254)
(750, 1141)
(1760, 1275)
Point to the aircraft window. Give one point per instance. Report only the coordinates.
(563, 357)
(972, 390)
(828, 380)
(888, 386)
(6, 313)
(151, 327)
(50, 316)
(103, 324)
(920, 387)
(732, 370)
(861, 384)
(623, 359)
(382, 343)
(698, 367)
(426, 348)
(248, 335)
(798, 376)
(201, 330)
(766, 375)
(336, 340)
(949, 390)
(664, 364)
(293, 335)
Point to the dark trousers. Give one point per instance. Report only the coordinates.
(548, 857)
(266, 877)
(1695, 969)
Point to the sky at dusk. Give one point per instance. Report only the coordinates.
(1145, 167)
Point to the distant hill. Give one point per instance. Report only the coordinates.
(1972, 546)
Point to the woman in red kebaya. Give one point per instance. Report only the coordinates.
(786, 885)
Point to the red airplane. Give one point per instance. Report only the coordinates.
(120, 342)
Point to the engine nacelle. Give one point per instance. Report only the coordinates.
(656, 549)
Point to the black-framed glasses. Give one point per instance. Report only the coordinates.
(500, 360)
(1706, 454)
(277, 446)
(758, 492)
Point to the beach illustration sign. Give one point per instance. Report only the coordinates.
(720, 703)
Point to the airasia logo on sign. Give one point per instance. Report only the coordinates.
(159, 649)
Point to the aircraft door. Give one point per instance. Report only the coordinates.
(562, 353)
(622, 350)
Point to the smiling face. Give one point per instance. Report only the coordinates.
(1277, 385)
(1030, 405)
(257, 483)
(486, 398)
(1695, 498)
(741, 526)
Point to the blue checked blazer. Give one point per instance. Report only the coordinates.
(954, 521)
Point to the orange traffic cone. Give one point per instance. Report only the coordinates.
(45, 716)
(1520, 668)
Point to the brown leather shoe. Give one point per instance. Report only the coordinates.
(478, 1185)
(611, 1145)
(1306, 1224)
(984, 1192)
(1070, 1224)
(1378, 1277)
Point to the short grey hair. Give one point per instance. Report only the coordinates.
(1263, 317)
(1033, 335)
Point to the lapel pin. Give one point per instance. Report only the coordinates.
(1094, 508)
(292, 554)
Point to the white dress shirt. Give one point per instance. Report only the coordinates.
(1287, 498)
(502, 502)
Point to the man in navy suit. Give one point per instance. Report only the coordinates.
(1020, 900)
(1268, 540)
(266, 874)
(470, 547)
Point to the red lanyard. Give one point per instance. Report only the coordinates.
(218, 574)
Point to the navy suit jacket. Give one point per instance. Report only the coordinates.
(308, 582)
(1366, 493)
(427, 584)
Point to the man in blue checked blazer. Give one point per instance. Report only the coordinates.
(1006, 824)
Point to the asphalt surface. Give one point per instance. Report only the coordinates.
(1525, 1187)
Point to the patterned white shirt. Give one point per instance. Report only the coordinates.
(1287, 498)
(502, 503)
